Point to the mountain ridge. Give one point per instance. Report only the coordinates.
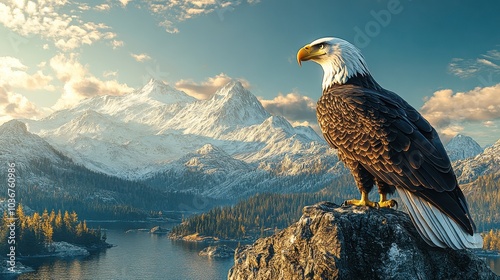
(155, 134)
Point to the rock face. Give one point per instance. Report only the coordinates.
(333, 242)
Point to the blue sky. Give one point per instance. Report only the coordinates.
(441, 56)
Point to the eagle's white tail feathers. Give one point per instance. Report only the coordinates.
(435, 227)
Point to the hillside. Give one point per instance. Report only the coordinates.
(47, 179)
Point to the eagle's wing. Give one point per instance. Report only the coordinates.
(395, 144)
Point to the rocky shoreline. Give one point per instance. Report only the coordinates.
(59, 250)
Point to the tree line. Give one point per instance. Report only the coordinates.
(93, 195)
(491, 240)
(262, 214)
(34, 234)
(483, 197)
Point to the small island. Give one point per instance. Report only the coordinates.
(158, 230)
(218, 252)
(46, 235)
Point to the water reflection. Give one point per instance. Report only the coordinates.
(140, 255)
(493, 263)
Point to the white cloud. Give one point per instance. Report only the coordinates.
(140, 57)
(124, 2)
(46, 19)
(102, 7)
(15, 106)
(293, 106)
(449, 111)
(207, 88)
(115, 44)
(489, 124)
(466, 68)
(14, 75)
(108, 74)
(296, 108)
(79, 83)
(169, 13)
(169, 26)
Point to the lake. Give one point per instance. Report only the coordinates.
(137, 255)
(140, 255)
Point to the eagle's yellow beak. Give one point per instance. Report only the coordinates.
(303, 53)
(308, 52)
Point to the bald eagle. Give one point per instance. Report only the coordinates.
(386, 142)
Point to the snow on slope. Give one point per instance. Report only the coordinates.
(28, 152)
(231, 107)
(488, 162)
(462, 147)
(139, 134)
(19, 146)
(228, 146)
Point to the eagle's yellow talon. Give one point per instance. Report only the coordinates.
(364, 201)
(387, 203)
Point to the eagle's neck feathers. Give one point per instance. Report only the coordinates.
(344, 64)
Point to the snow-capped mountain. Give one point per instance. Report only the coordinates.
(47, 179)
(462, 147)
(19, 146)
(226, 147)
(487, 162)
(158, 134)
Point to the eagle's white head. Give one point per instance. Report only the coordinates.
(339, 59)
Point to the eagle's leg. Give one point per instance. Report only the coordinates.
(364, 181)
(383, 190)
(364, 201)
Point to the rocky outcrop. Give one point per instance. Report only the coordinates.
(333, 242)
(220, 252)
(66, 250)
(158, 230)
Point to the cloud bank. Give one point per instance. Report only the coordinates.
(449, 111)
(48, 19)
(170, 13)
(79, 83)
(14, 75)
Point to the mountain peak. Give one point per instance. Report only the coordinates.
(13, 127)
(160, 91)
(17, 144)
(233, 86)
(209, 149)
(462, 147)
(233, 105)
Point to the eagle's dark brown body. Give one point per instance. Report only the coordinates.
(385, 141)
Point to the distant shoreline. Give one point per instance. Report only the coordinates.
(487, 253)
(209, 239)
